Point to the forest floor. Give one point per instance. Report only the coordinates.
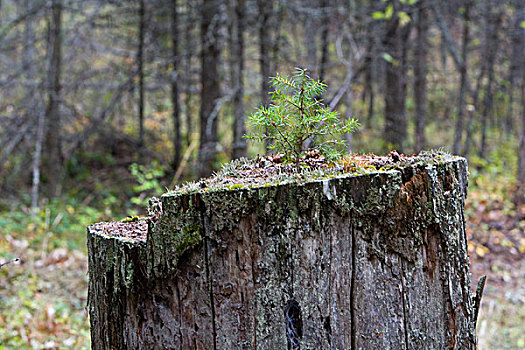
(43, 296)
(497, 249)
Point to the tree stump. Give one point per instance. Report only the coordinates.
(369, 260)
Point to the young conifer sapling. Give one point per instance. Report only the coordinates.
(297, 114)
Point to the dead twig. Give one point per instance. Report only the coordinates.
(183, 163)
(477, 298)
(9, 262)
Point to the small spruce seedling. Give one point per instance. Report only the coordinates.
(296, 115)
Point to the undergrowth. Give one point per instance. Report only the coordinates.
(43, 294)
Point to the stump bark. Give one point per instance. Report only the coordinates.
(358, 261)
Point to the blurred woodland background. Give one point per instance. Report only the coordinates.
(106, 103)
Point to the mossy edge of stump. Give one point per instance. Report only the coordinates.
(369, 261)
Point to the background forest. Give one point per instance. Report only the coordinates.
(106, 103)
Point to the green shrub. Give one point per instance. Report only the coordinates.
(148, 182)
(296, 115)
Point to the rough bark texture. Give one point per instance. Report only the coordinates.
(325, 32)
(210, 86)
(188, 67)
(369, 72)
(177, 142)
(395, 86)
(240, 146)
(458, 135)
(52, 117)
(265, 9)
(140, 69)
(517, 34)
(420, 75)
(520, 186)
(493, 23)
(375, 261)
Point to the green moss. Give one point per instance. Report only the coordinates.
(366, 195)
(236, 186)
(134, 218)
(190, 237)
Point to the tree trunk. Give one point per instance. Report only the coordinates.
(369, 72)
(420, 75)
(395, 120)
(463, 79)
(491, 38)
(310, 33)
(443, 51)
(349, 137)
(516, 34)
(54, 159)
(237, 70)
(470, 120)
(376, 261)
(520, 191)
(28, 67)
(37, 157)
(405, 47)
(276, 26)
(324, 39)
(265, 11)
(177, 142)
(188, 77)
(210, 87)
(140, 69)
(519, 51)
(28, 55)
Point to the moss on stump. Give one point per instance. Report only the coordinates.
(368, 259)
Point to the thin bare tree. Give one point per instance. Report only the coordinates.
(140, 71)
(395, 119)
(52, 116)
(236, 29)
(465, 38)
(210, 85)
(177, 142)
(420, 74)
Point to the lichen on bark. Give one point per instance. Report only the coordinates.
(372, 260)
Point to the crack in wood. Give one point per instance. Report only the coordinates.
(209, 277)
(294, 324)
(327, 322)
(404, 297)
(255, 284)
(450, 313)
(177, 291)
(353, 345)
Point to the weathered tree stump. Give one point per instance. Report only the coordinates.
(376, 260)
